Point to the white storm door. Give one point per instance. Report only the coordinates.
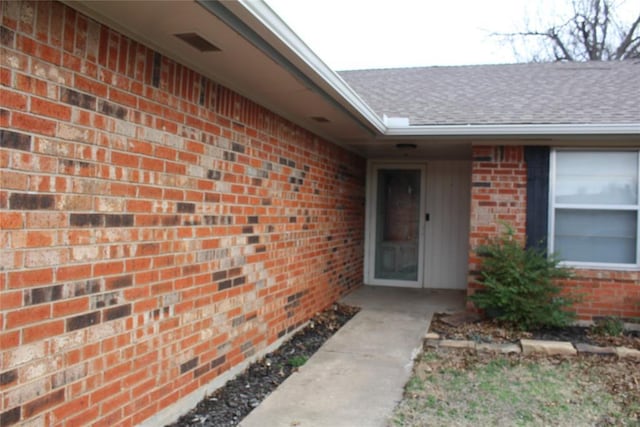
(396, 209)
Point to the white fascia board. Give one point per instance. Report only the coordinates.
(516, 130)
(267, 17)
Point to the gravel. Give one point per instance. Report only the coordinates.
(228, 405)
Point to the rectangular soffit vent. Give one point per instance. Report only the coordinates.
(198, 42)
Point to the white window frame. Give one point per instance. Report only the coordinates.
(553, 206)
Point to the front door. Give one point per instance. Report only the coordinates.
(417, 225)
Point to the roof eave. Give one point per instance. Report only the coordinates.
(515, 130)
(350, 99)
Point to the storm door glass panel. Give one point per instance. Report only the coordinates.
(397, 224)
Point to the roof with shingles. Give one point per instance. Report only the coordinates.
(534, 93)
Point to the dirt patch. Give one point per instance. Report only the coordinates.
(228, 405)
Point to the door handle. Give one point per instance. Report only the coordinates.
(427, 217)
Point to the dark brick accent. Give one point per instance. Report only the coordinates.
(295, 296)
(68, 163)
(86, 220)
(203, 90)
(43, 403)
(252, 219)
(235, 271)
(91, 286)
(247, 229)
(218, 361)
(119, 282)
(239, 281)
(187, 366)
(253, 239)
(186, 207)
(214, 174)
(238, 148)
(10, 417)
(31, 201)
(15, 140)
(112, 110)
(44, 294)
(117, 312)
(219, 275)
(260, 249)
(224, 285)
(157, 64)
(230, 157)
(118, 220)
(8, 376)
(246, 346)
(237, 321)
(201, 370)
(482, 159)
(292, 219)
(78, 99)
(481, 184)
(266, 201)
(83, 321)
(7, 36)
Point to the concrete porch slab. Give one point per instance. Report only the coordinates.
(357, 376)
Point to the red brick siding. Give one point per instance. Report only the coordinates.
(155, 233)
(498, 194)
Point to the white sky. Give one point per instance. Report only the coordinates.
(360, 34)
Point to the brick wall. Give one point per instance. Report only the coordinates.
(498, 193)
(157, 228)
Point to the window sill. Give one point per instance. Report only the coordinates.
(594, 266)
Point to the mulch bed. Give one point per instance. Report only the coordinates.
(491, 331)
(228, 405)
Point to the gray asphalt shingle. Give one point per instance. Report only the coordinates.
(535, 93)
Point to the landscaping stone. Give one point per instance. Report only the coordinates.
(548, 347)
(594, 349)
(498, 348)
(432, 336)
(460, 318)
(432, 343)
(458, 344)
(624, 352)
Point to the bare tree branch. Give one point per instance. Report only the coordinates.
(628, 40)
(593, 33)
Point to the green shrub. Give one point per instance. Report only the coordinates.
(609, 326)
(519, 286)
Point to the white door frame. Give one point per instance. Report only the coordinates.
(371, 216)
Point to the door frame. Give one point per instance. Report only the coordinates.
(371, 218)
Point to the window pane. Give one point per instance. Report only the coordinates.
(597, 177)
(596, 236)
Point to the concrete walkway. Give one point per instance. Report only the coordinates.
(357, 377)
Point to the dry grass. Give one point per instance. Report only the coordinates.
(461, 388)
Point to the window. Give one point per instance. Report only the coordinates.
(594, 207)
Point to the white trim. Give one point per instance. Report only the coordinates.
(516, 130)
(553, 206)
